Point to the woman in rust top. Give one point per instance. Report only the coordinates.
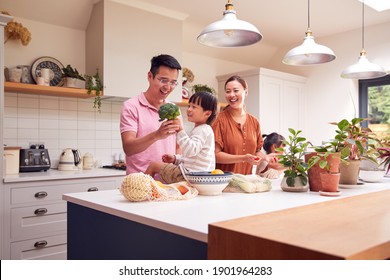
(238, 139)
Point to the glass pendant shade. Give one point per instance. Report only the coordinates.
(363, 69)
(309, 53)
(229, 32)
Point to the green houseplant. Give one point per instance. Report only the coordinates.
(95, 85)
(72, 77)
(351, 141)
(292, 158)
(200, 87)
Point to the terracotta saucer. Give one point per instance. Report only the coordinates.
(330, 193)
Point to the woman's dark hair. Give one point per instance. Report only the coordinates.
(163, 60)
(207, 101)
(270, 139)
(238, 79)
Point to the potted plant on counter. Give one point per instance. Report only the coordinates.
(355, 142)
(72, 77)
(373, 169)
(329, 175)
(292, 158)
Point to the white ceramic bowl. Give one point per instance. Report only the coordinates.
(207, 183)
(371, 176)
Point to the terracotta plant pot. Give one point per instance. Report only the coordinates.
(315, 171)
(330, 182)
(349, 173)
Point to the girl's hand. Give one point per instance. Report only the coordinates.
(168, 158)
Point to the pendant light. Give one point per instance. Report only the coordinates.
(309, 52)
(229, 32)
(363, 69)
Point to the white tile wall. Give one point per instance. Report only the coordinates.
(60, 123)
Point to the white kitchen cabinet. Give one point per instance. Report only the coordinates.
(122, 52)
(276, 98)
(35, 225)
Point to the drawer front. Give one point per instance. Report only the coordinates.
(27, 222)
(55, 192)
(46, 248)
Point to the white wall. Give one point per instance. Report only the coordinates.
(64, 44)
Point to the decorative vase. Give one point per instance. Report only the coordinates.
(330, 182)
(298, 186)
(316, 170)
(349, 172)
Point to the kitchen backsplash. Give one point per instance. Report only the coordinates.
(61, 122)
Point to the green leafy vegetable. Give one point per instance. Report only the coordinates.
(168, 111)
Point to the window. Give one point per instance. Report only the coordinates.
(374, 103)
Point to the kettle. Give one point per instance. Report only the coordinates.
(70, 160)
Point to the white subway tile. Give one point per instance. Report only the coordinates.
(102, 135)
(11, 112)
(10, 122)
(10, 101)
(67, 124)
(49, 114)
(87, 125)
(10, 133)
(85, 144)
(68, 115)
(103, 126)
(90, 116)
(68, 143)
(49, 124)
(86, 134)
(68, 134)
(28, 123)
(28, 113)
(27, 102)
(48, 133)
(28, 133)
(52, 104)
(68, 104)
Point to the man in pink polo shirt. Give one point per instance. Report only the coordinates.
(144, 137)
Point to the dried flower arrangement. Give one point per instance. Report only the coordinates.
(188, 76)
(16, 31)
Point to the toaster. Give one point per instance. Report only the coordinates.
(34, 159)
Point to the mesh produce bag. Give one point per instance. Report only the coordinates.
(142, 187)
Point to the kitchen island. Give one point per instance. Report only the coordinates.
(104, 225)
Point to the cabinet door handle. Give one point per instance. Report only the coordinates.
(40, 244)
(40, 194)
(93, 189)
(40, 211)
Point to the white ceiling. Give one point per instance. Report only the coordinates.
(281, 22)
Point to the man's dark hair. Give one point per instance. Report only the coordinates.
(163, 60)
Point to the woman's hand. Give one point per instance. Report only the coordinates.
(168, 158)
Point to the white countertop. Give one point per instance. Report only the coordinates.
(55, 174)
(191, 218)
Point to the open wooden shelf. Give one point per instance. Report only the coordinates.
(45, 90)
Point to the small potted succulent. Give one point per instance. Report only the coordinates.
(72, 77)
(295, 177)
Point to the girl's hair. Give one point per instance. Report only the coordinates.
(207, 101)
(238, 79)
(270, 139)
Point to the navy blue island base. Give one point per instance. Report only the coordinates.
(95, 235)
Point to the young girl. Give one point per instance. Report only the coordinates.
(197, 148)
(271, 170)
